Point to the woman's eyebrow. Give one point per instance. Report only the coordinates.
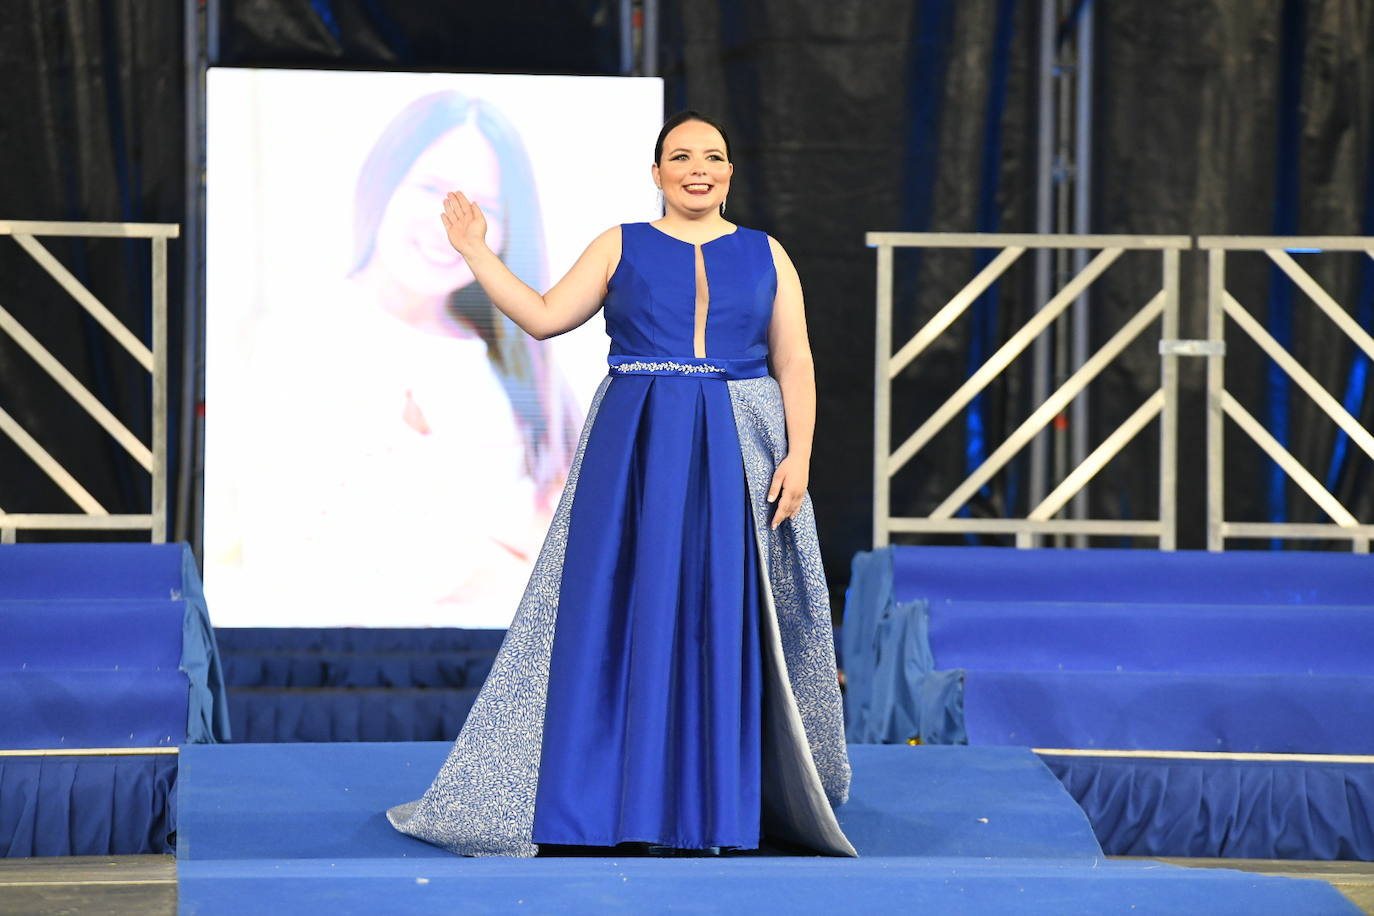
(683, 149)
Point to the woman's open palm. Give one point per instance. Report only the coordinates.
(463, 221)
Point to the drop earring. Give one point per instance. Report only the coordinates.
(722, 208)
(662, 207)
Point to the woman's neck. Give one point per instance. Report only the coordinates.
(694, 227)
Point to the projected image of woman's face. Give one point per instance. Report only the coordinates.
(411, 244)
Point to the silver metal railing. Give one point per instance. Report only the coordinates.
(151, 456)
(1041, 519)
(1221, 404)
(1162, 403)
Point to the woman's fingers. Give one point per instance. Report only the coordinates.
(790, 503)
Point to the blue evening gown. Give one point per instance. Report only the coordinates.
(669, 676)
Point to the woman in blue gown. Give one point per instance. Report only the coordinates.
(669, 676)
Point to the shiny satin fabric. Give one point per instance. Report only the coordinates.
(652, 724)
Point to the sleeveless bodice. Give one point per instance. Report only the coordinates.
(650, 303)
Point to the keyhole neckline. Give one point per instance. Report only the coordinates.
(725, 235)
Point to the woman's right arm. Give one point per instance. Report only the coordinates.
(571, 301)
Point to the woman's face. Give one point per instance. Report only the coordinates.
(693, 172)
(411, 243)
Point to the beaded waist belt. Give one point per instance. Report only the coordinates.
(689, 367)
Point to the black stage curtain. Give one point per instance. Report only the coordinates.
(1227, 116)
(531, 36)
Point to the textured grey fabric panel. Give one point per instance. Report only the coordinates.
(482, 801)
(800, 600)
(794, 803)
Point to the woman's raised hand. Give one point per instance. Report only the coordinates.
(464, 222)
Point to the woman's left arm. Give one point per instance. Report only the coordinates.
(789, 351)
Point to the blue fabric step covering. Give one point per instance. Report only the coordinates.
(1288, 577)
(135, 613)
(1128, 710)
(1270, 652)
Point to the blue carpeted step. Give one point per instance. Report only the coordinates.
(1222, 638)
(92, 571)
(1280, 713)
(285, 715)
(74, 709)
(90, 634)
(1127, 576)
(399, 669)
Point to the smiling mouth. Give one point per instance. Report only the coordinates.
(697, 188)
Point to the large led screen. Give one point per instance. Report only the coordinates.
(383, 447)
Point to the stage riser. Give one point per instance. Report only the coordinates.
(98, 571)
(1134, 650)
(1278, 714)
(1194, 638)
(117, 634)
(1107, 576)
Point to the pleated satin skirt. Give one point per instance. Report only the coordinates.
(653, 720)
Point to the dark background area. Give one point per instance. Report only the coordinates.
(1212, 117)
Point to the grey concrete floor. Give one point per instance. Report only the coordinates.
(110, 885)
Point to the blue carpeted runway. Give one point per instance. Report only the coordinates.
(299, 828)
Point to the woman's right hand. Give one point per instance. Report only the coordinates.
(464, 223)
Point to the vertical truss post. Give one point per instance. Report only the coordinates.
(1168, 419)
(1216, 383)
(160, 405)
(882, 399)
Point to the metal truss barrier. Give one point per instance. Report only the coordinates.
(1162, 403)
(151, 456)
(1220, 404)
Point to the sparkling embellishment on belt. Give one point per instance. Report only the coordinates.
(640, 366)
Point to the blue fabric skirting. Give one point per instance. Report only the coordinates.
(271, 715)
(1224, 808)
(87, 806)
(386, 669)
(269, 641)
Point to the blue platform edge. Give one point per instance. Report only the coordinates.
(299, 828)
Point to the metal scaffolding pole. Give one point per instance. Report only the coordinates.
(1082, 223)
(1044, 225)
(1063, 205)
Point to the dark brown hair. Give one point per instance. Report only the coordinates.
(682, 117)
